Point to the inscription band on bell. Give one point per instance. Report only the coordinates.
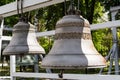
(72, 24)
(73, 35)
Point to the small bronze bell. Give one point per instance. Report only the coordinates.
(73, 47)
(23, 41)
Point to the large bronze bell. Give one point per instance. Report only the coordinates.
(73, 47)
(23, 41)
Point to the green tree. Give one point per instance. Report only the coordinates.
(3, 2)
(110, 3)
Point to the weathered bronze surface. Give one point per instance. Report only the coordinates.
(73, 47)
(23, 41)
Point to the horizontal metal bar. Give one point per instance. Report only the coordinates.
(5, 77)
(109, 24)
(11, 8)
(7, 29)
(5, 38)
(115, 8)
(67, 76)
(3, 64)
(47, 33)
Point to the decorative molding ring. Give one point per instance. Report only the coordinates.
(72, 24)
(73, 35)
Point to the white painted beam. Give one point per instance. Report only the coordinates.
(10, 9)
(4, 77)
(115, 8)
(6, 38)
(109, 24)
(67, 76)
(47, 33)
(28, 5)
(8, 29)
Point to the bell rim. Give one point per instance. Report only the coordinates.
(73, 67)
(23, 53)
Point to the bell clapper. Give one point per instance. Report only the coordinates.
(61, 73)
(21, 68)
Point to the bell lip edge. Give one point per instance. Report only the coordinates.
(70, 67)
(25, 53)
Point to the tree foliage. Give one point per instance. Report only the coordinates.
(110, 3)
(3, 2)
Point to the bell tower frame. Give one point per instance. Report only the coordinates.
(66, 76)
(113, 54)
